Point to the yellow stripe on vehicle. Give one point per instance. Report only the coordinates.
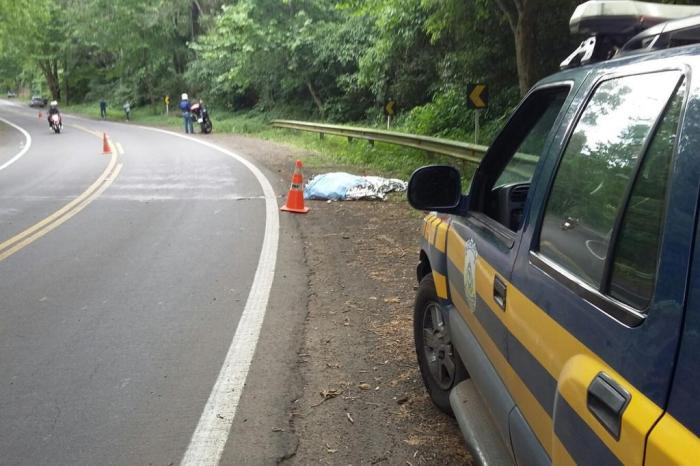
(572, 364)
(441, 236)
(638, 418)
(560, 456)
(537, 417)
(440, 284)
(672, 443)
(455, 249)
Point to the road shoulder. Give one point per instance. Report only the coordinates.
(334, 378)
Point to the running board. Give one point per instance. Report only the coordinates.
(479, 431)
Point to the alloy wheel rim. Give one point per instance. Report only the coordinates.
(437, 347)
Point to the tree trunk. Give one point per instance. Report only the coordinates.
(49, 68)
(317, 101)
(521, 17)
(65, 81)
(525, 48)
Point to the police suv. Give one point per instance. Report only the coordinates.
(558, 311)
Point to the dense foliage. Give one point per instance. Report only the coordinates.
(337, 60)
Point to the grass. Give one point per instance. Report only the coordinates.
(361, 157)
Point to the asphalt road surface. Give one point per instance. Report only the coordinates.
(123, 282)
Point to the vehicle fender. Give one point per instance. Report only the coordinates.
(434, 252)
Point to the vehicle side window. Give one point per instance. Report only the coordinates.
(521, 166)
(637, 247)
(501, 185)
(596, 179)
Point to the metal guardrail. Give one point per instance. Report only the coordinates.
(461, 150)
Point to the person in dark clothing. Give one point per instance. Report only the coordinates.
(103, 109)
(53, 110)
(186, 114)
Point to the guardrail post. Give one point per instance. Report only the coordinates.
(370, 142)
(320, 135)
(349, 139)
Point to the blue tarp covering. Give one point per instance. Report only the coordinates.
(344, 186)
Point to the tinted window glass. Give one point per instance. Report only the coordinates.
(596, 168)
(637, 246)
(522, 165)
(502, 184)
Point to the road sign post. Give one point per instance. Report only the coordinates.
(476, 126)
(477, 99)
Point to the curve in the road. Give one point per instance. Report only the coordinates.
(36, 231)
(209, 438)
(207, 443)
(24, 150)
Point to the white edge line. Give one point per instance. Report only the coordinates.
(209, 438)
(24, 149)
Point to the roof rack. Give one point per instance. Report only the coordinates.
(665, 36)
(623, 26)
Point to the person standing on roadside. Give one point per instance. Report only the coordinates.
(103, 109)
(127, 110)
(186, 114)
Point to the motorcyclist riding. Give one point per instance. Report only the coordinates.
(53, 110)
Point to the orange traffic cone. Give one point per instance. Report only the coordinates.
(295, 197)
(106, 150)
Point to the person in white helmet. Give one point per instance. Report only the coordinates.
(186, 113)
(53, 110)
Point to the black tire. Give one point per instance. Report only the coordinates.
(207, 127)
(439, 363)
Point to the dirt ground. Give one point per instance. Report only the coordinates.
(363, 399)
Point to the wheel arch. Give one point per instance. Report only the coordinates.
(424, 267)
(433, 257)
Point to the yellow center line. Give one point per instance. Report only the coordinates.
(87, 130)
(26, 240)
(36, 231)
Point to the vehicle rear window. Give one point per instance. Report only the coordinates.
(601, 172)
(637, 247)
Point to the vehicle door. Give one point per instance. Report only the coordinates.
(596, 296)
(481, 245)
(675, 439)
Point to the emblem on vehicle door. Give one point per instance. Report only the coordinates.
(470, 255)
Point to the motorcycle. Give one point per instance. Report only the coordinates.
(199, 111)
(56, 124)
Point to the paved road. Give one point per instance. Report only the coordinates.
(123, 278)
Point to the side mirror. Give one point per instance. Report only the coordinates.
(435, 187)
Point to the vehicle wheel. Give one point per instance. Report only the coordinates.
(207, 127)
(438, 361)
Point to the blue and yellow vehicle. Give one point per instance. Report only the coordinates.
(558, 308)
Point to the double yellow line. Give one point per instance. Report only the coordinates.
(31, 234)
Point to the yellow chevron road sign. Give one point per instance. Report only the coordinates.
(478, 95)
(389, 107)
